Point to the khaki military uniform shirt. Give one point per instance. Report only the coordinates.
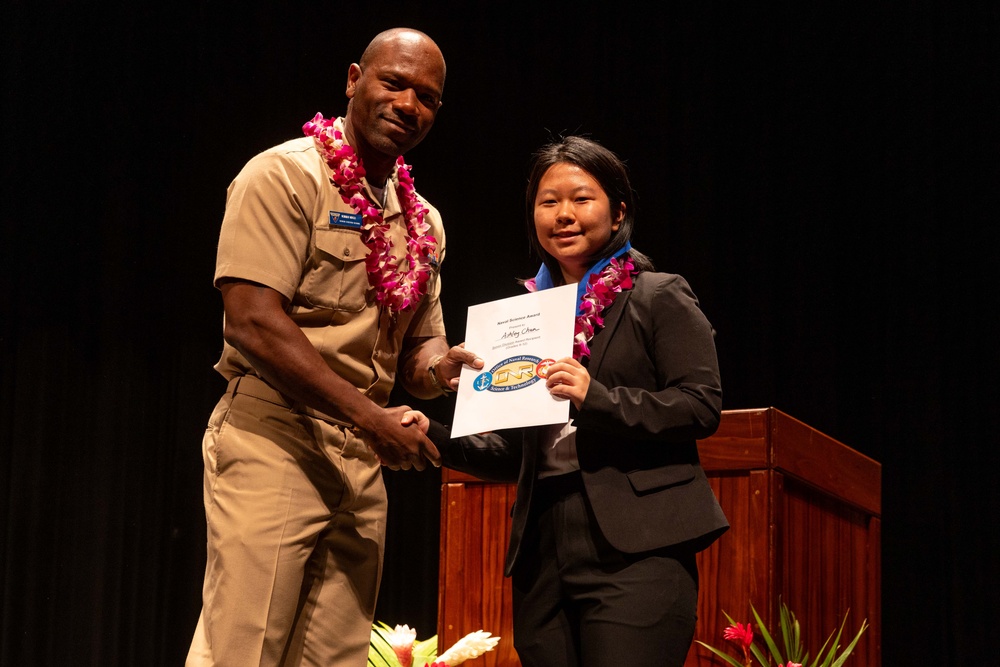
(281, 230)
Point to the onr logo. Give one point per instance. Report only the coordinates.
(514, 373)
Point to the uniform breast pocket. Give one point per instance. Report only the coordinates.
(656, 479)
(335, 276)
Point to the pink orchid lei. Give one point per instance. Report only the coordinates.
(600, 293)
(397, 289)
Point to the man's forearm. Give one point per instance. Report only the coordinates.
(279, 351)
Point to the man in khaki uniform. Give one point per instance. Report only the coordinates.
(328, 264)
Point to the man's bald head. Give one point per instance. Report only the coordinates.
(395, 93)
(393, 37)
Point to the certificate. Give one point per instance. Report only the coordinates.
(517, 338)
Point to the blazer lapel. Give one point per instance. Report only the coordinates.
(601, 340)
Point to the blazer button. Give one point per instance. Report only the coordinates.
(347, 252)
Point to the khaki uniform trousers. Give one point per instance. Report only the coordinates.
(296, 511)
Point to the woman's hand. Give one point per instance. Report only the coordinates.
(567, 378)
(417, 419)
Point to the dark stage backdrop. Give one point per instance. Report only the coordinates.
(825, 175)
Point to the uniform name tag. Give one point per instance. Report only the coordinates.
(345, 220)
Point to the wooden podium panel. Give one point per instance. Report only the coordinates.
(805, 512)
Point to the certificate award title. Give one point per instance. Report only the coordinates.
(517, 339)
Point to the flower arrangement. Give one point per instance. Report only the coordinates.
(794, 653)
(398, 647)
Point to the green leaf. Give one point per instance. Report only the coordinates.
(850, 647)
(767, 640)
(377, 658)
(820, 662)
(790, 634)
(832, 652)
(831, 659)
(380, 653)
(728, 658)
(425, 652)
(761, 658)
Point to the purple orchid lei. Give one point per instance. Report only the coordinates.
(600, 293)
(395, 288)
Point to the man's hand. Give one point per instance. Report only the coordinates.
(449, 368)
(402, 446)
(258, 326)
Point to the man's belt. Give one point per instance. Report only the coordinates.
(251, 385)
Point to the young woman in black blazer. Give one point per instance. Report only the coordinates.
(612, 506)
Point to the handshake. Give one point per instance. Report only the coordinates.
(398, 436)
(405, 445)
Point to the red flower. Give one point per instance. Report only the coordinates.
(740, 634)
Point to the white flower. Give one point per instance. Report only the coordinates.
(401, 640)
(470, 646)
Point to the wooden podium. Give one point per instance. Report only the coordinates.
(806, 529)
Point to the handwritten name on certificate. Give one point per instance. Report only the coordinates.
(517, 338)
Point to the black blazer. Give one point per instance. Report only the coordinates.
(654, 390)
